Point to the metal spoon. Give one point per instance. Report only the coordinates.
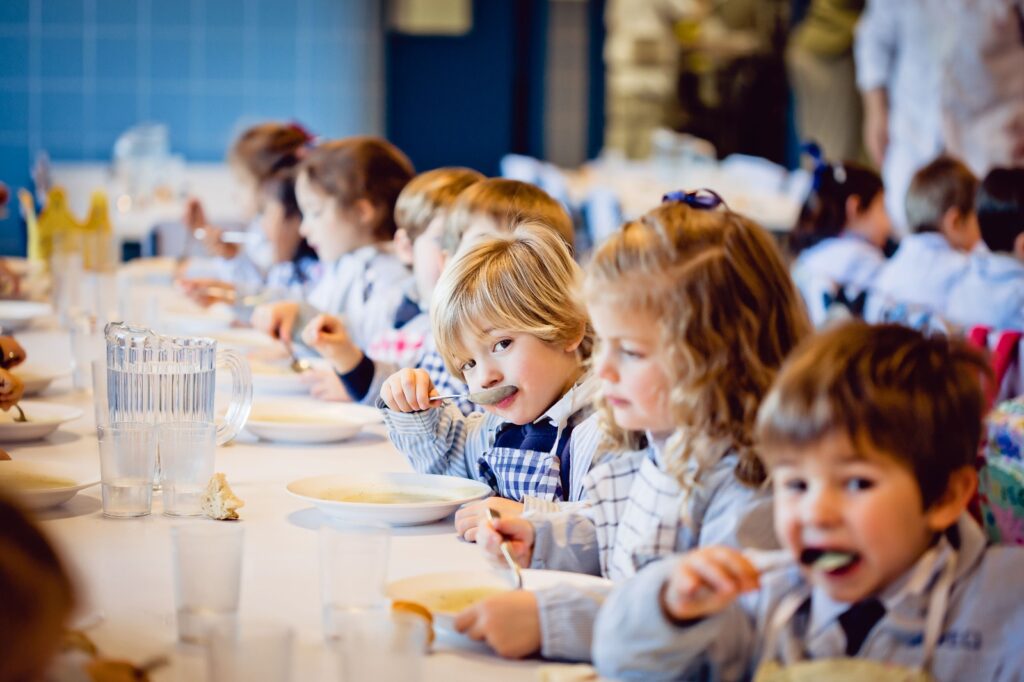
(299, 366)
(517, 576)
(488, 396)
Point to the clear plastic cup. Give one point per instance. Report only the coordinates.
(186, 465)
(127, 465)
(207, 561)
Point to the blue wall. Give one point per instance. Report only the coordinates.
(74, 74)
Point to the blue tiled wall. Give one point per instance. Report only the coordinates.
(75, 73)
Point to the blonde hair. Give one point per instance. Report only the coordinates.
(509, 203)
(429, 195)
(524, 281)
(728, 314)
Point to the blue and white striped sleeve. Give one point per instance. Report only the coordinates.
(441, 440)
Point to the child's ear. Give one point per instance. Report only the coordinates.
(403, 247)
(950, 221)
(945, 511)
(1018, 246)
(575, 343)
(365, 212)
(853, 208)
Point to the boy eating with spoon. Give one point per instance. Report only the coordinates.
(506, 322)
(870, 435)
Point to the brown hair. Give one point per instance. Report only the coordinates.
(728, 315)
(917, 398)
(429, 195)
(356, 168)
(1001, 208)
(823, 214)
(265, 149)
(524, 280)
(943, 184)
(37, 596)
(509, 203)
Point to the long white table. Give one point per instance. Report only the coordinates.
(123, 567)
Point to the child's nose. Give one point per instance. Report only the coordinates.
(604, 368)
(821, 508)
(490, 375)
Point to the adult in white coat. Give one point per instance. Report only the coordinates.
(941, 76)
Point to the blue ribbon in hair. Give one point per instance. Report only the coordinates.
(703, 199)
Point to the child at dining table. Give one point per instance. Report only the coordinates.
(870, 434)
(504, 316)
(839, 237)
(916, 281)
(347, 190)
(421, 211)
(694, 313)
(257, 159)
(294, 268)
(991, 291)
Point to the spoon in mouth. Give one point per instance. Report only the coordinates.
(489, 396)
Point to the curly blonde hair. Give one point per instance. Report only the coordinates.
(728, 315)
(525, 280)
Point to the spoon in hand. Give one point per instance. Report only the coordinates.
(517, 577)
(488, 396)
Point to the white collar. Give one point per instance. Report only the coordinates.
(581, 393)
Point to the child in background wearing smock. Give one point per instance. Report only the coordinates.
(914, 285)
(870, 434)
(838, 238)
(421, 211)
(991, 292)
(694, 313)
(347, 190)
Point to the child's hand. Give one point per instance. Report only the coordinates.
(277, 319)
(517, 531)
(11, 352)
(509, 623)
(409, 390)
(206, 291)
(467, 519)
(195, 215)
(11, 390)
(328, 336)
(706, 581)
(324, 384)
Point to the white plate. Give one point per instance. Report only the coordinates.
(421, 588)
(43, 419)
(277, 377)
(15, 315)
(67, 482)
(308, 421)
(452, 492)
(37, 379)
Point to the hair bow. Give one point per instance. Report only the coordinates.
(703, 199)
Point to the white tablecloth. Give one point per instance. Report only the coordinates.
(124, 566)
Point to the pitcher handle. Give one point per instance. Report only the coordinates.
(241, 395)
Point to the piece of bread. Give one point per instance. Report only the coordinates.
(420, 611)
(218, 500)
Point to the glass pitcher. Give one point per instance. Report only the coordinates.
(156, 379)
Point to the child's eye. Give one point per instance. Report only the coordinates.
(857, 484)
(501, 345)
(633, 354)
(468, 365)
(795, 485)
